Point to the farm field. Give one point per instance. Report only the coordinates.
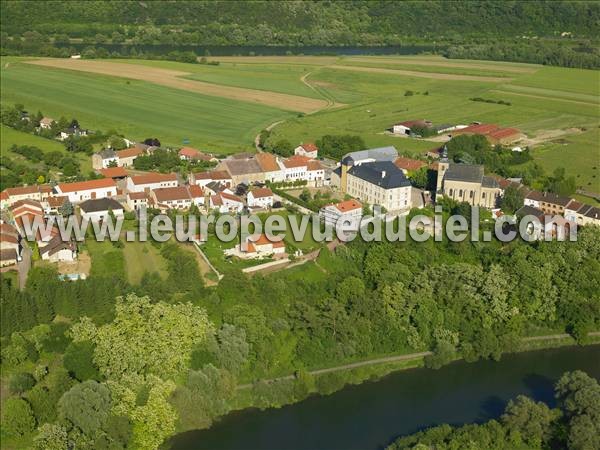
(371, 94)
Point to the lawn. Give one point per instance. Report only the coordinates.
(141, 258)
(10, 136)
(107, 260)
(138, 109)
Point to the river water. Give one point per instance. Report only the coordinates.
(371, 415)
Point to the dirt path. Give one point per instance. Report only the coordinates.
(397, 358)
(173, 79)
(543, 136)
(269, 128)
(411, 73)
(445, 63)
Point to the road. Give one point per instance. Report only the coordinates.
(24, 265)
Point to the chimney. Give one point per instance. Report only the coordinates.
(383, 174)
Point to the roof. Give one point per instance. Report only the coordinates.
(409, 164)
(56, 201)
(100, 204)
(267, 162)
(23, 190)
(172, 193)
(348, 205)
(548, 197)
(313, 164)
(212, 175)
(592, 212)
(28, 204)
(504, 133)
(216, 200)
(261, 192)
(470, 173)
(46, 120)
(489, 182)
(195, 191)
(154, 177)
(114, 172)
(242, 166)
(309, 147)
(55, 245)
(412, 123)
(378, 154)
(263, 239)
(137, 195)
(381, 173)
(5, 237)
(107, 153)
(529, 211)
(86, 185)
(7, 229)
(296, 161)
(8, 254)
(231, 197)
(574, 205)
(131, 151)
(189, 152)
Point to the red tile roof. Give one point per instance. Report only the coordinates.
(409, 164)
(313, 165)
(56, 201)
(267, 162)
(137, 195)
(196, 191)
(86, 185)
(231, 197)
(154, 177)
(114, 172)
(348, 205)
(212, 175)
(129, 152)
(262, 192)
(172, 193)
(296, 161)
(309, 147)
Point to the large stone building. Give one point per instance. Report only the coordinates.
(467, 183)
(339, 177)
(379, 183)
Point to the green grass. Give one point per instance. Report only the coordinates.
(141, 258)
(10, 136)
(137, 109)
(578, 154)
(107, 260)
(562, 79)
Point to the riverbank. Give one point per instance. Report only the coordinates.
(402, 403)
(328, 380)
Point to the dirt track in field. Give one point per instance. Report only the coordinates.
(434, 76)
(445, 63)
(172, 78)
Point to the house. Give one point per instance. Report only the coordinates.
(582, 214)
(260, 198)
(408, 165)
(258, 247)
(29, 214)
(10, 247)
(548, 202)
(309, 150)
(197, 195)
(151, 181)
(406, 127)
(137, 200)
(176, 197)
(99, 209)
(116, 173)
(128, 156)
(52, 205)
(104, 158)
(271, 166)
(58, 250)
(203, 178)
(225, 202)
(215, 187)
(8, 257)
(380, 183)
(242, 168)
(192, 154)
(315, 173)
(549, 225)
(46, 123)
(10, 196)
(339, 177)
(72, 131)
(86, 190)
(467, 183)
(348, 212)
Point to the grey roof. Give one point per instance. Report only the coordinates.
(99, 204)
(472, 173)
(489, 182)
(384, 174)
(107, 153)
(242, 166)
(55, 245)
(592, 212)
(529, 211)
(378, 154)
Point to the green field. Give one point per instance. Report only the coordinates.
(141, 258)
(137, 109)
(543, 100)
(10, 136)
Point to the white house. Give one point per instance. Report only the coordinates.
(295, 168)
(258, 246)
(309, 150)
(203, 178)
(315, 173)
(175, 197)
(104, 158)
(85, 190)
(197, 195)
(58, 250)
(151, 181)
(136, 200)
(347, 214)
(99, 209)
(260, 198)
(226, 202)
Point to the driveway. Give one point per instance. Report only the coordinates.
(24, 265)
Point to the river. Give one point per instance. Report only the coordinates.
(371, 415)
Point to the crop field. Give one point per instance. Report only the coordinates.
(215, 106)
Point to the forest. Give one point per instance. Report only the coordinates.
(83, 367)
(527, 424)
(546, 32)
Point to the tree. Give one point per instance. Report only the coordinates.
(232, 352)
(21, 382)
(79, 361)
(86, 405)
(66, 209)
(51, 437)
(17, 417)
(532, 419)
(512, 199)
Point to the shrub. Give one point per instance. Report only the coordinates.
(21, 382)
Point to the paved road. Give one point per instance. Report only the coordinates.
(24, 265)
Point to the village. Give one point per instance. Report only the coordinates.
(246, 183)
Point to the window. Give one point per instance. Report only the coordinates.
(460, 193)
(472, 194)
